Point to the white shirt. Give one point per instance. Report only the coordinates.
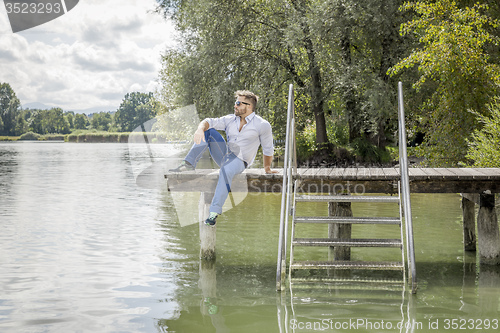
(245, 143)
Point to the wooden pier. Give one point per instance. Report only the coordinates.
(374, 180)
(477, 186)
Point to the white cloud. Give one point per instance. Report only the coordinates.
(90, 57)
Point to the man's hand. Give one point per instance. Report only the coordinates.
(268, 160)
(199, 136)
(268, 170)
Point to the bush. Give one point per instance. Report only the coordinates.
(484, 148)
(30, 136)
(306, 142)
(52, 137)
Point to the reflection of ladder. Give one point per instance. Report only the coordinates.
(346, 242)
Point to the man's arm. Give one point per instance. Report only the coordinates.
(199, 134)
(268, 160)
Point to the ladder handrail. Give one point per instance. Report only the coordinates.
(405, 189)
(290, 163)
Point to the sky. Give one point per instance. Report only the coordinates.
(88, 58)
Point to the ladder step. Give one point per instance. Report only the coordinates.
(348, 286)
(372, 265)
(345, 198)
(347, 220)
(347, 242)
(347, 280)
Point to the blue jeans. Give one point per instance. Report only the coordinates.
(229, 164)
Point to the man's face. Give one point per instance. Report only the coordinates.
(244, 108)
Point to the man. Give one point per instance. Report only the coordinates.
(245, 131)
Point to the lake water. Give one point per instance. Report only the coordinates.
(83, 248)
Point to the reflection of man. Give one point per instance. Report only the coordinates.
(245, 131)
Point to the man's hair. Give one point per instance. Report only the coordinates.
(248, 94)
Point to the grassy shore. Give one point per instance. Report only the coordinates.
(9, 138)
(92, 137)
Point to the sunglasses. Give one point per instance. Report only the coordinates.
(238, 103)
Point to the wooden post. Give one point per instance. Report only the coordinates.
(469, 221)
(208, 285)
(487, 230)
(339, 230)
(207, 233)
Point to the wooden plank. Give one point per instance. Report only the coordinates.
(391, 173)
(430, 172)
(463, 173)
(302, 171)
(336, 173)
(350, 173)
(479, 173)
(363, 173)
(472, 174)
(311, 173)
(324, 173)
(437, 173)
(418, 174)
(453, 171)
(377, 173)
(493, 172)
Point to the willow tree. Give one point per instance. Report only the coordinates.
(453, 60)
(336, 52)
(261, 45)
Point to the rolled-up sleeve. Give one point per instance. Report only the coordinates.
(217, 123)
(266, 139)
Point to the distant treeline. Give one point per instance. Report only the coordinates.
(97, 137)
(135, 109)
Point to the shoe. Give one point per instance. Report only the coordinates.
(211, 219)
(185, 166)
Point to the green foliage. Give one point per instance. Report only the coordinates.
(306, 142)
(484, 147)
(30, 136)
(335, 52)
(101, 121)
(135, 109)
(81, 121)
(9, 109)
(366, 151)
(454, 63)
(47, 121)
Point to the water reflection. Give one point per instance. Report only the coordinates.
(230, 305)
(236, 294)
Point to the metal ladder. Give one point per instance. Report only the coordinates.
(290, 198)
(396, 243)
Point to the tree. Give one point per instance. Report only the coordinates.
(335, 52)
(262, 46)
(81, 121)
(135, 109)
(21, 125)
(70, 117)
(101, 121)
(9, 109)
(453, 61)
(48, 121)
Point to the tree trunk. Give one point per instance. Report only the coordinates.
(317, 102)
(349, 96)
